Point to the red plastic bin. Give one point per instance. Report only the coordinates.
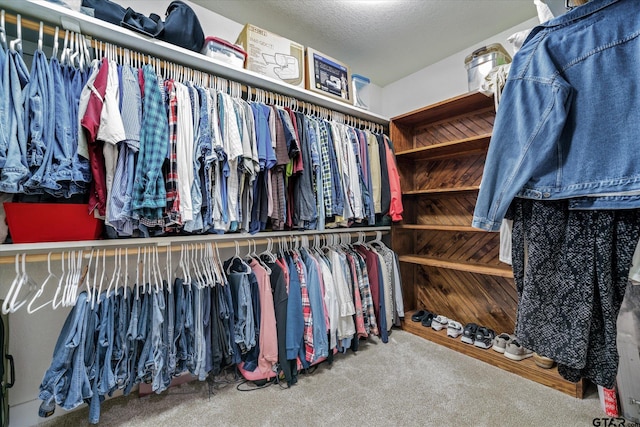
(51, 222)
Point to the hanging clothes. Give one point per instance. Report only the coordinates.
(569, 298)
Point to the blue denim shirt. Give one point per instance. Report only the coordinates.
(569, 118)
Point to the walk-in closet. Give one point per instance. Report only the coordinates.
(269, 213)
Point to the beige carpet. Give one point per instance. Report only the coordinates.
(407, 382)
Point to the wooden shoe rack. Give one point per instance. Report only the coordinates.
(448, 267)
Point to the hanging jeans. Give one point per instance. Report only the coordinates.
(571, 270)
(67, 365)
(4, 106)
(15, 171)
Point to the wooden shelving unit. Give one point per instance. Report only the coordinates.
(448, 267)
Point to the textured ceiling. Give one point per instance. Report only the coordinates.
(384, 40)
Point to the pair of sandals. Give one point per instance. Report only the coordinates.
(430, 320)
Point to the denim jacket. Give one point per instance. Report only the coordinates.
(569, 118)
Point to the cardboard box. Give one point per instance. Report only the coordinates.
(272, 55)
(328, 76)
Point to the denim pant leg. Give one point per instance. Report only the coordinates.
(132, 345)
(234, 349)
(207, 329)
(80, 382)
(4, 107)
(156, 359)
(168, 332)
(179, 339)
(15, 171)
(55, 384)
(189, 327)
(80, 169)
(37, 110)
(117, 353)
(144, 336)
(107, 375)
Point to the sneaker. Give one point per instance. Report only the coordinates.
(501, 341)
(469, 333)
(454, 329)
(484, 337)
(439, 323)
(515, 351)
(47, 408)
(542, 361)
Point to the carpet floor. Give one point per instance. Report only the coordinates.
(407, 382)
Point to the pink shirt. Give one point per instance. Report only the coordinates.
(395, 209)
(268, 340)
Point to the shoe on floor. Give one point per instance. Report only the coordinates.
(439, 323)
(454, 329)
(484, 337)
(418, 315)
(469, 333)
(501, 341)
(542, 361)
(427, 319)
(515, 351)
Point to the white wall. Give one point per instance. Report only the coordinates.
(440, 81)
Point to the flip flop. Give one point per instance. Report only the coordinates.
(427, 319)
(418, 315)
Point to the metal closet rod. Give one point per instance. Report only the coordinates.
(39, 252)
(248, 91)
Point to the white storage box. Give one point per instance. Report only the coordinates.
(224, 51)
(272, 55)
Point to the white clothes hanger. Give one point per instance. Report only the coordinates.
(3, 31)
(16, 44)
(23, 280)
(12, 289)
(50, 276)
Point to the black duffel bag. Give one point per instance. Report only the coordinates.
(180, 27)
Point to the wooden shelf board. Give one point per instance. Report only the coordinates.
(447, 149)
(471, 101)
(469, 267)
(438, 227)
(525, 368)
(441, 190)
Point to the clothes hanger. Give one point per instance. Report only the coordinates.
(238, 257)
(138, 276)
(161, 278)
(126, 279)
(50, 276)
(40, 35)
(80, 275)
(12, 289)
(114, 275)
(59, 289)
(70, 275)
(16, 44)
(214, 265)
(206, 265)
(3, 31)
(219, 264)
(25, 280)
(168, 269)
